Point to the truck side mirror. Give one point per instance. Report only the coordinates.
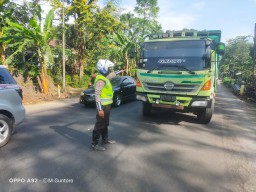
(220, 48)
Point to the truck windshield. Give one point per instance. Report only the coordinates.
(188, 54)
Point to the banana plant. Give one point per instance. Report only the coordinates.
(125, 45)
(4, 13)
(33, 37)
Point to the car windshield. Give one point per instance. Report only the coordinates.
(187, 54)
(115, 81)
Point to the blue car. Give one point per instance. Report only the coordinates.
(124, 88)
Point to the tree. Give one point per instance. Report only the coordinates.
(237, 58)
(90, 34)
(6, 9)
(19, 14)
(95, 27)
(137, 28)
(82, 10)
(124, 47)
(71, 48)
(147, 11)
(35, 37)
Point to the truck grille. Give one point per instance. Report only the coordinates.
(178, 88)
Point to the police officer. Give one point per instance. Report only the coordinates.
(104, 99)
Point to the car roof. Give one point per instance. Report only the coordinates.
(122, 77)
(126, 77)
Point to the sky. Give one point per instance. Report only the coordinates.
(233, 17)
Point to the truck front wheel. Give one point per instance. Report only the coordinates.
(204, 116)
(147, 107)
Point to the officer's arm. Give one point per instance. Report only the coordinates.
(111, 75)
(119, 71)
(114, 73)
(98, 89)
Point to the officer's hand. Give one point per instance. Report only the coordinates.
(101, 113)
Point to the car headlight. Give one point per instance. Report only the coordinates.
(141, 98)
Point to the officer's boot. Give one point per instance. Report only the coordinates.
(105, 139)
(95, 141)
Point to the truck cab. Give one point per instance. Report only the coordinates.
(179, 70)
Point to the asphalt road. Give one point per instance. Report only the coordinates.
(168, 152)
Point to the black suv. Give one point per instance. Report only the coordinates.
(124, 88)
(7, 81)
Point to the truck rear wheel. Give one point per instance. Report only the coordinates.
(147, 107)
(204, 116)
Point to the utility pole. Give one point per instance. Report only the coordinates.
(63, 50)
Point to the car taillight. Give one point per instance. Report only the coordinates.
(20, 92)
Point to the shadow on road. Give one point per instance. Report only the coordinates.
(158, 153)
(70, 133)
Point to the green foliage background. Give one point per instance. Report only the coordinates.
(91, 33)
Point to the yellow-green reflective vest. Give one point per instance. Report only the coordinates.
(106, 95)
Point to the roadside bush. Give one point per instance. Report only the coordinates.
(228, 81)
(74, 81)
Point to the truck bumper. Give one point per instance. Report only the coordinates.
(180, 101)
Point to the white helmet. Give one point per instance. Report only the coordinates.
(103, 66)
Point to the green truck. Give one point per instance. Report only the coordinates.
(179, 70)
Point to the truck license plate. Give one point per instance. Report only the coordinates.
(169, 98)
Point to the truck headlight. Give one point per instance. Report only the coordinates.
(199, 104)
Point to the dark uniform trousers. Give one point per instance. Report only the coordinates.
(101, 126)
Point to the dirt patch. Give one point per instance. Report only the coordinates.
(32, 94)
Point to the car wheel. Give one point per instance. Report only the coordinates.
(81, 100)
(5, 129)
(117, 100)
